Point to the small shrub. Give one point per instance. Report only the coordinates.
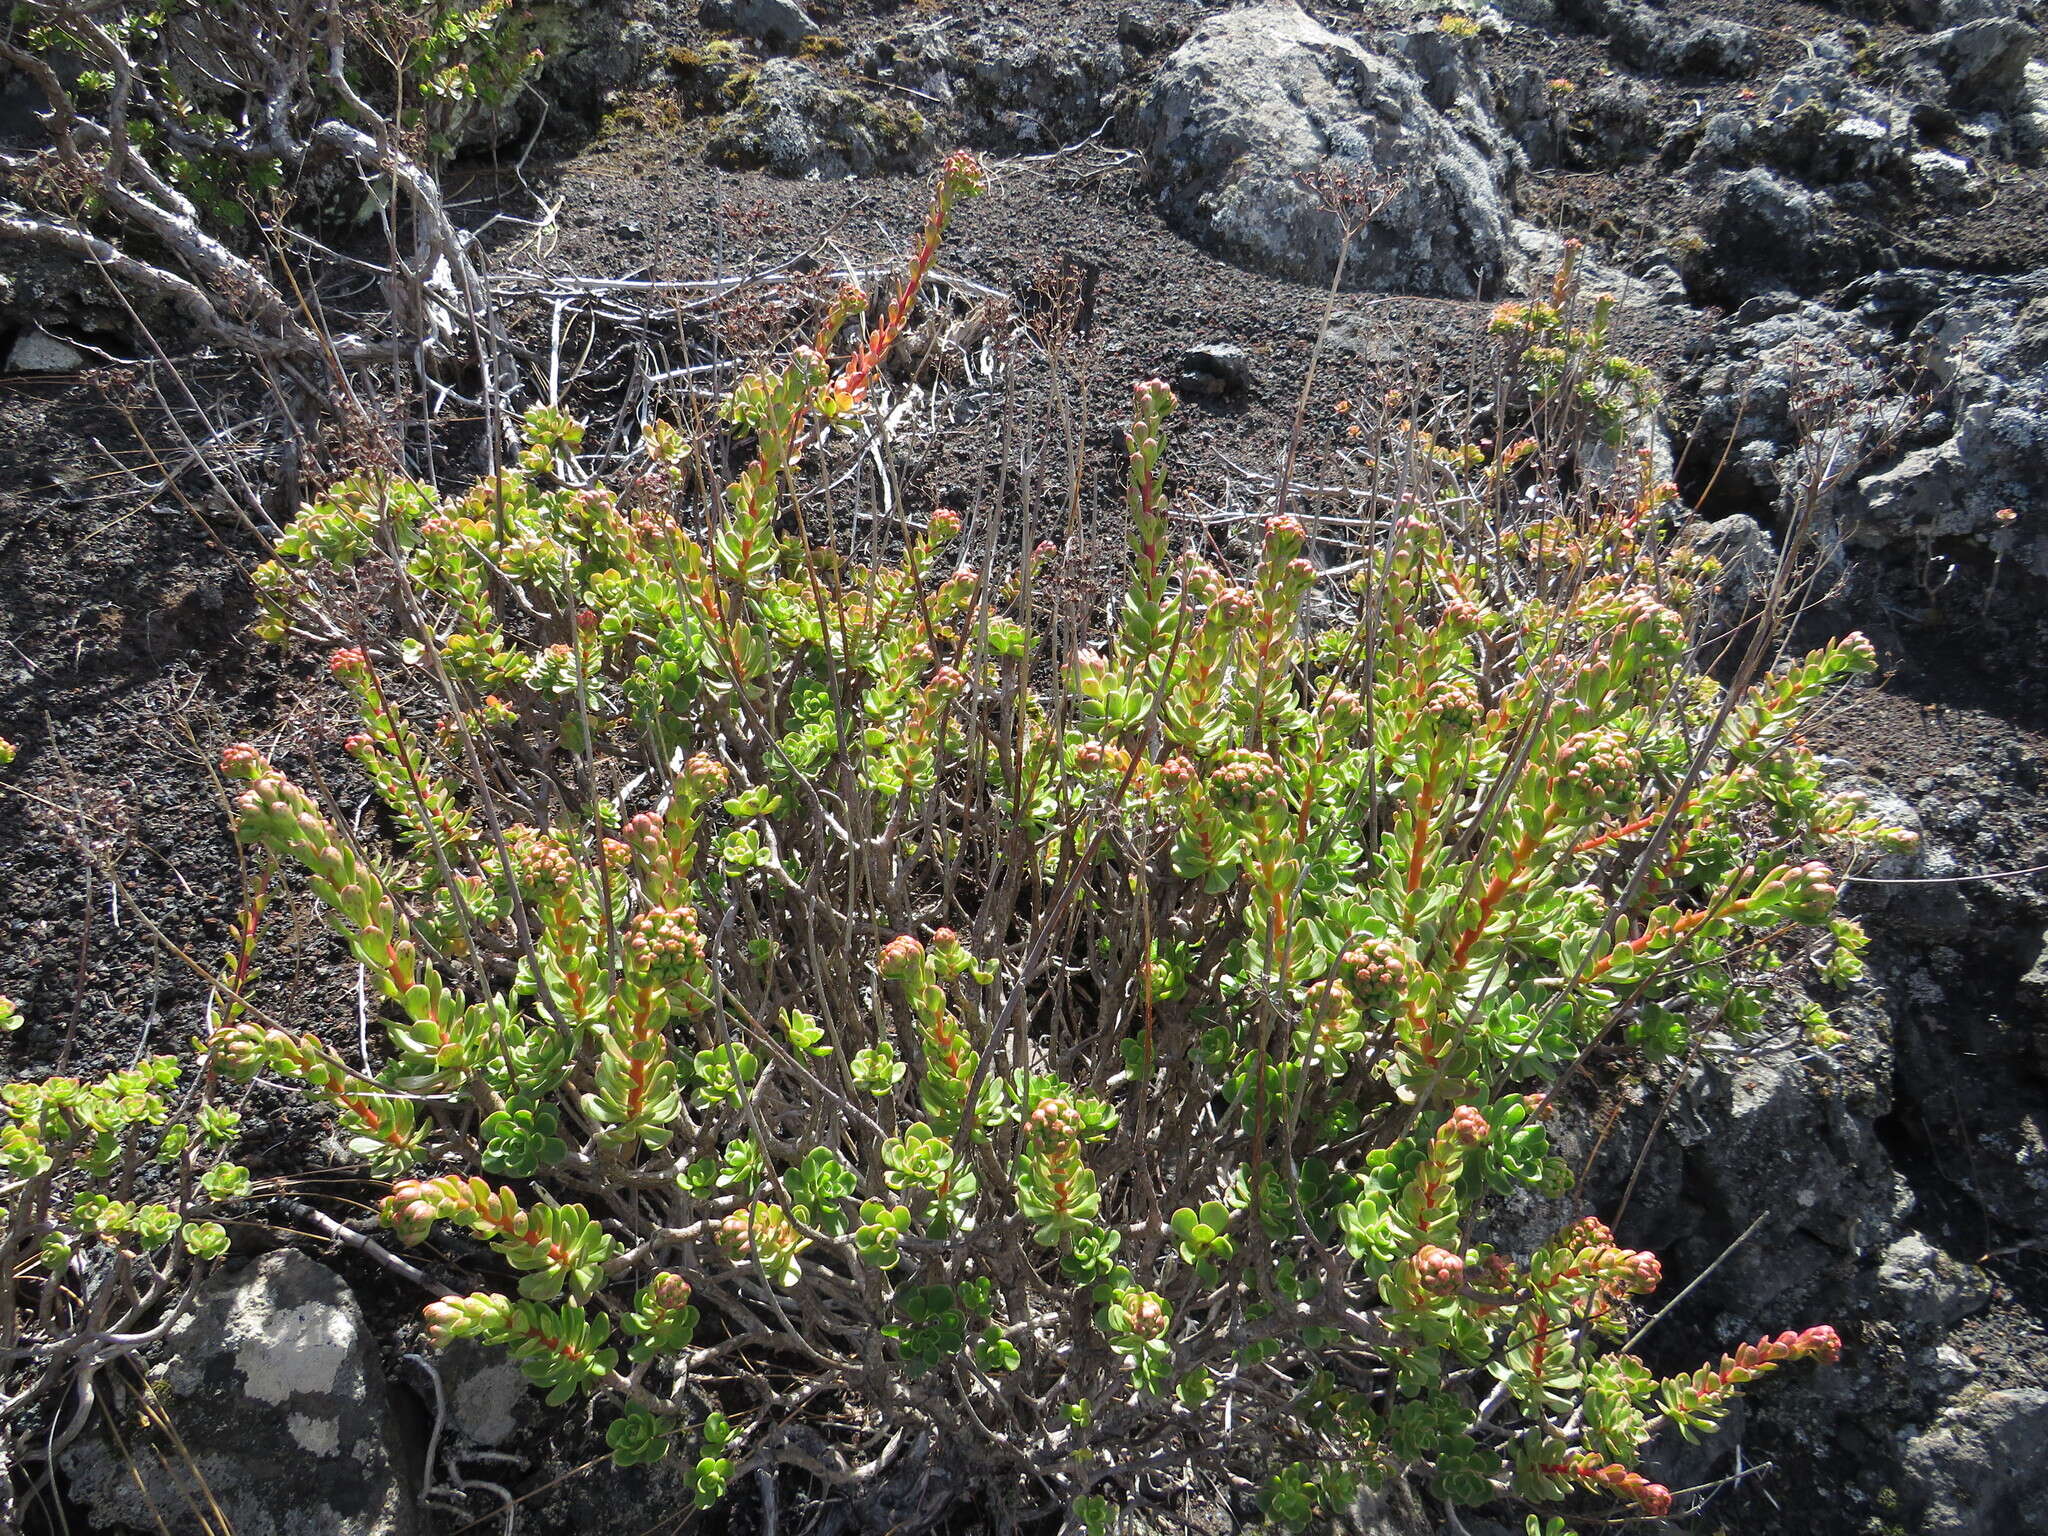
(106, 1214)
(841, 1010)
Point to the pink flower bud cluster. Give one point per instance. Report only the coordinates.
(1453, 705)
(1146, 393)
(1650, 622)
(348, 663)
(459, 1317)
(1599, 764)
(1438, 1270)
(1234, 607)
(408, 1212)
(1463, 613)
(1325, 1003)
(1643, 1271)
(670, 1291)
(1099, 756)
(242, 761)
(1285, 530)
(1814, 891)
(1618, 1270)
(1821, 1343)
(645, 834)
(539, 862)
(1054, 1121)
(962, 176)
(1377, 970)
(1145, 1314)
(1344, 710)
(763, 1230)
(1587, 1232)
(735, 1233)
(1468, 1125)
(1245, 775)
(665, 941)
(706, 774)
(901, 956)
(1805, 893)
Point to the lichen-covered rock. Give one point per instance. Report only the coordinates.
(1005, 85)
(1825, 124)
(1986, 479)
(1745, 563)
(1776, 371)
(1976, 1470)
(793, 122)
(772, 21)
(1981, 63)
(1769, 231)
(487, 1397)
(1262, 96)
(1919, 1285)
(281, 1412)
(1650, 37)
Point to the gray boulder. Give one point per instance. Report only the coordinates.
(1649, 37)
(772, 21)
(1919, 1284)
(281, 1415)
(1770, 1125)
(1986, 350)
(1746, 562)
(1972, 1471)
(1980, 63)
(1823, 123)
(37, 351)
(1260, 97)
(1216, 368)
(1934, 15)
(1769, 231)
(2033, 992)
(1786, 386)
(1783, 379)
(2030, 116)
(594, 51)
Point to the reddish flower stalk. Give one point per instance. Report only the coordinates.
(1653, 1499)
(961, 177)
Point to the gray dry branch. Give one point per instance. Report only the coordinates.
(158, 131)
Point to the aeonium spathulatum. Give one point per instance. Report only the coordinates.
(1076, 1048)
